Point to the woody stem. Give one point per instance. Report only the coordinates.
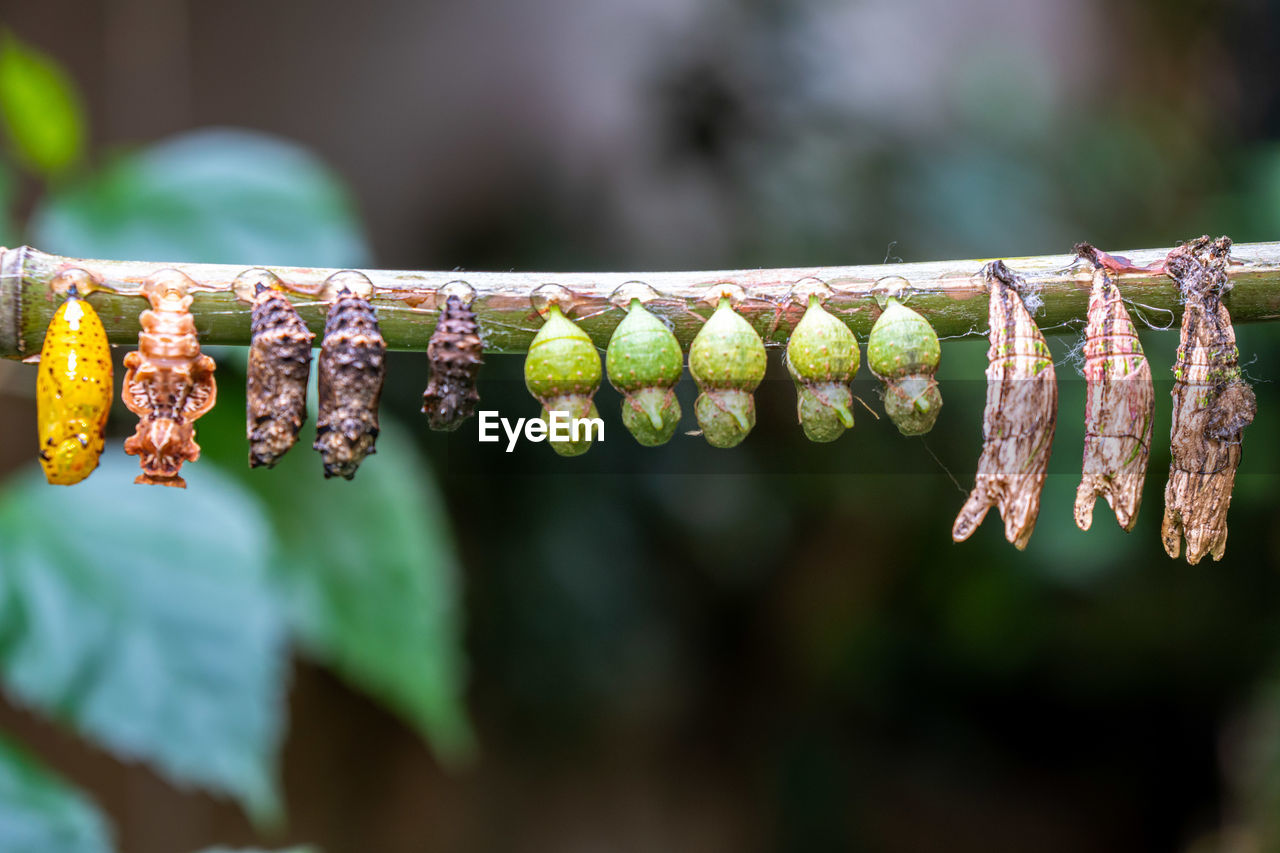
(951, 294)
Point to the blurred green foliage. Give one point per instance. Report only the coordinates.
(41, 813)
(366, 570)
(144, 619)
(8, 192)
(219, 195)
(40, 109)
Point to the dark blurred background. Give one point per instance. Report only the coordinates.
(776, 647)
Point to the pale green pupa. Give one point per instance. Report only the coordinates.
(727, 360)
(563, 371)
(903, 351)
(822, 357)
(644, 363)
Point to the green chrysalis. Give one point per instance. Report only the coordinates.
(645, 362)
(563, 371)
(727, 360)
(903, 351)
(822, 357)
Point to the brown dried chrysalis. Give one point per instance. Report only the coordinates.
(168, 383)
(352, 368)
(456, 353)
(1119, 404)
(1018, 422)
(1212, 404)
(279, 366)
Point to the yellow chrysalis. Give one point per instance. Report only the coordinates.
(73, 392)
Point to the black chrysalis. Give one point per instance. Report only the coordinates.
(456, 353)
(279, 366)
(352, 368)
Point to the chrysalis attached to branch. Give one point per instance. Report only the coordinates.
(1119, 404)
(168, 383)
(279, 366)
(903, 351)
(1212, 404)
(822, 357)
(563, 371)
(1019, 419)
(352, 369)
(645, 363)
(73, 387)
(456, 353)
(727, 360)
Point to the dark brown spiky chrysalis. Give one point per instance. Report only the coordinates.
(456, 353)
(1212, 404)
(279, 366)
(352, 369)
(168, 382)
(1119, 403)
(1018, 422)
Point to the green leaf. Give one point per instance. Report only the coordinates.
(144, 618)
(368, 571)
(40, 108)
(217, 196)
(40, 813)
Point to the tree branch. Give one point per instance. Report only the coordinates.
(949, 293)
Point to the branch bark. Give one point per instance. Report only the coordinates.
(950, 294)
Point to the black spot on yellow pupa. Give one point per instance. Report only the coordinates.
(352, 369)
(279, 366)
(456, 354)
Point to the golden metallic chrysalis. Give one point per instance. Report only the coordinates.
(73, 387)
